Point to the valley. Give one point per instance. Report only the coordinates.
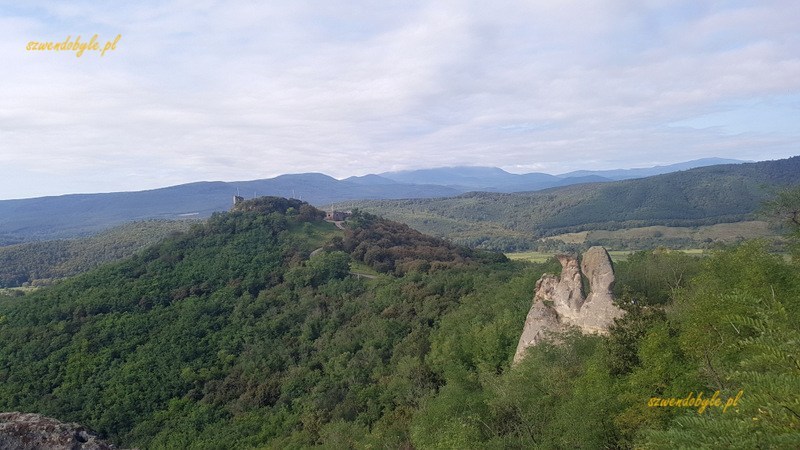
(400, 225)
(700, 197)
(267, 326)
(459, 188)
(699, 208)
(232, 335)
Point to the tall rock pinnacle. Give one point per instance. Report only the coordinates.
(558, 302)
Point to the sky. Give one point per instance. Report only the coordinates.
(228, 90)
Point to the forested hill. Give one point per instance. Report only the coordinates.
(700, 196)
(77, 215)
(40, 263)
(233, 335)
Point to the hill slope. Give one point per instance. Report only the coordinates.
(233, 335)
(701, 196)
(78, 215)
(39, 263)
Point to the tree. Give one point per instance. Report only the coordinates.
(784, 209)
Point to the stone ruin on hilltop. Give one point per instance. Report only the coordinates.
(559, 302)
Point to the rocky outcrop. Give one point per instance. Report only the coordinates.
(542, 320)
(24, 431)
(559, 302)
(598, 311)
(564, 291)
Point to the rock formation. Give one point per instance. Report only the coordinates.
(559, 302)
(599, 310)
(25, 431)
(565, 291)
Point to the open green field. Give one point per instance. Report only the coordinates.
(16, 290)
(363, 269)
(722, 232)
(616, 255)
(535, 257)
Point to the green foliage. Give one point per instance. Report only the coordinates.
(536, 405)
(627, 335)
(743, 337)
(784, 211)
(319, 270)
(232, 335)
(392, 247)
(285, 206)
(653, 278)
(515, 222)
(784, 208)
(588, 392)
(39, 263)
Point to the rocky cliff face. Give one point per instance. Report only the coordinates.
(24, 431)
(559, 301)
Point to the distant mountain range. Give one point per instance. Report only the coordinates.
(83, 214)
(493, 179)
(627, 174)
(694, 197)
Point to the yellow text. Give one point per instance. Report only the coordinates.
(695, 402)
(74, 46)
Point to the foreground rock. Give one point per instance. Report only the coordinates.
(25, 431)
(559, 302)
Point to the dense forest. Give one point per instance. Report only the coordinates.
(79, 215)
(39, 263)
(232, 335)
(506, 222)
(509, 222)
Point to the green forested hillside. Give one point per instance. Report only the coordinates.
(42, 262)
(701, 196)
(232, 336)
(78, 215)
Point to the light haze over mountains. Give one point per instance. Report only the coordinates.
(82, 214)
(493, 179)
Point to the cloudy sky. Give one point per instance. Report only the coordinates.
(228, 90)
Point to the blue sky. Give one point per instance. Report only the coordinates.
(213, 90)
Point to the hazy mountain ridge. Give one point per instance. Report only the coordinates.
(493, 179)
(699, 196)
(77, 215)
(82, 214)
(626, 174)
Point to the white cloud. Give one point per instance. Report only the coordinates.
(228, 90)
